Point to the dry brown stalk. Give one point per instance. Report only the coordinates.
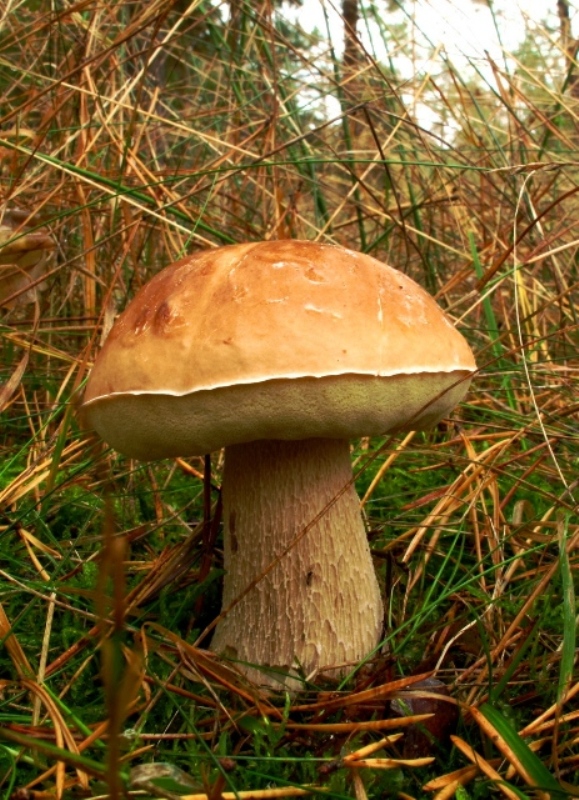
(504, 748)
(13, 646)
(354, 727)
(484, 766)
(385, 467)
(359, 788)
(367, 696)
(459, 777)
(390, 763)
(258, 794)
(370, 749)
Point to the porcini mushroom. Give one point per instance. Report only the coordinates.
(25, 253)
(281, 352)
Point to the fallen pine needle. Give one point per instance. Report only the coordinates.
(372, 748)
(359, 788)
(456, 778)
(370, 725)
(484, 766)
(390, 763)
(258, 794)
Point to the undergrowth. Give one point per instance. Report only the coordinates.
(131, 134)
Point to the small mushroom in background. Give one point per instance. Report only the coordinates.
(431, 736)
(24, 257)
(281, 352)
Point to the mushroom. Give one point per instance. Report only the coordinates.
(24, 257)
(281, 352)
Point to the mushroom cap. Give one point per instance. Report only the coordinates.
(24, 256)
(274, 340)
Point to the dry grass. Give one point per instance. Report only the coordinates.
(135, 132)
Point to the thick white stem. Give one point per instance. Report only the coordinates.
(320, 606)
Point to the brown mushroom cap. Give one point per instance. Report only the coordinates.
(24, 256)
(274, 340)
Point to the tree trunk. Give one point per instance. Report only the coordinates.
(350, 15)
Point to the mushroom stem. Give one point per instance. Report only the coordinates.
(319, 605)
